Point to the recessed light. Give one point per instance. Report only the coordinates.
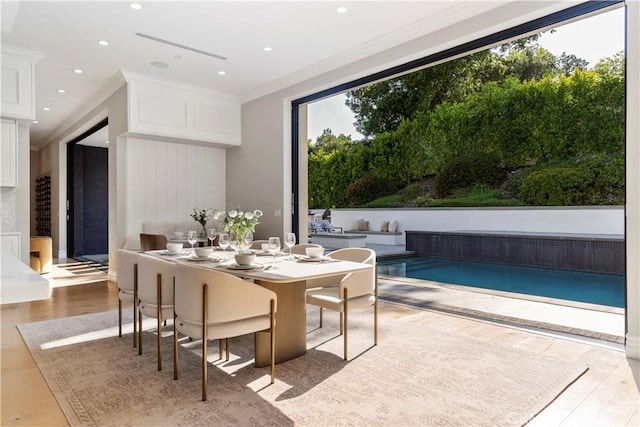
(47, 109)
(107, 141)
(78, 71)
(36, 122)
(135, 6)
(267, 49)
(341, 10)
(103, 43)
(62, 91)
(159, 64)
(222, 73)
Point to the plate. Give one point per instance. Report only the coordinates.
(202, 258)
(173, 253)
(244, 267)
(319, 259)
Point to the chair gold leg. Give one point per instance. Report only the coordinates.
(205, 320)
(375, 308)
(135, 300)
(226, 344)
(159, 319)
(119, 317)
(346, 310)
(321, 317)
(139, 334)
(175, 338)
(341, 323)
(220, 349)
(273, 341)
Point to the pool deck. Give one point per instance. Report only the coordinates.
(598, 323)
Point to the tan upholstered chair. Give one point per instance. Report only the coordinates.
(300, 248)
(213, 305)
(152, 242)
(127, 264)
(155, 295)
(355, 290)
(40, 258)
(257, 244)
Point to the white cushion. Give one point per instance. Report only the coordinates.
(393, 226)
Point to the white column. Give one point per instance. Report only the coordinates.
(632, 346)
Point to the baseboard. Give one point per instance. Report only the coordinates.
(61, 254)
(632, 346)
(112, 275)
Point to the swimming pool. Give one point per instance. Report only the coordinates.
(593, 288)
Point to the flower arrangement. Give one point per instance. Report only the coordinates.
(202, 216)
(239, 222)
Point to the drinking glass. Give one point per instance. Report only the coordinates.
(290, 241)
(233, 242)
(223, 242)
(274, 248)
(192, 237)
(212, 235)
(247, 240)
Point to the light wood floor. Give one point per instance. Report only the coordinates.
(607, 395)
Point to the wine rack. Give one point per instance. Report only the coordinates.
(43, 206)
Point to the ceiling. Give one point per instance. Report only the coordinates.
(306, 39)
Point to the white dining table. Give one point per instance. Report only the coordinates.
(288, 279)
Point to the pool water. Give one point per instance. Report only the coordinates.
(593, 288)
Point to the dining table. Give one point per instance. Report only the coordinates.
(285, 275)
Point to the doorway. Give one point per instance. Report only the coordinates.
(87, 192)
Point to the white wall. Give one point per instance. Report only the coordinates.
(165, 181)
(581, 220)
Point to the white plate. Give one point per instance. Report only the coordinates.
(173, 253)
(244, 267)
(202, 258)
(318, 259)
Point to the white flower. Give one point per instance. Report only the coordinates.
(232, 214)
(257, 213)
(248, 215)
(217, 215)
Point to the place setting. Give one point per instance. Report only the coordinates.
(314, 255)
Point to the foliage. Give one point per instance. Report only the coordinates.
(239, 222)
(478, 195)
(392, 201)
(469, 169)
(369, 188)
(516, 102)
(202, 216)
(557, 186)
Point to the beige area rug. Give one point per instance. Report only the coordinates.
(416, 376)
(75, 273)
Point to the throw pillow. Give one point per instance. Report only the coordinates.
(363, 225)
(393, 226)
(385, 226)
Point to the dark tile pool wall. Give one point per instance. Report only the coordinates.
(594, 255)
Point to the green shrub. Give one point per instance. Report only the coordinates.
(392, 201)
(469, 169)
(478, 195)
(367, 189)
(558, 186)
(608, 170)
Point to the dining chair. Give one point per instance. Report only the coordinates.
(257, 244)
(127, 281)
(355, 290)
(300, 249)
(152, 242)
(211, 305)
(155, 295)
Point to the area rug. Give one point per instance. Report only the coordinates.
(415, 376)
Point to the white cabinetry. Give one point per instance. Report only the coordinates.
(8, 154)
(18, 85)
(10, 243)
(169, 109)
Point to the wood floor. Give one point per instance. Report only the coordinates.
(607, 395)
